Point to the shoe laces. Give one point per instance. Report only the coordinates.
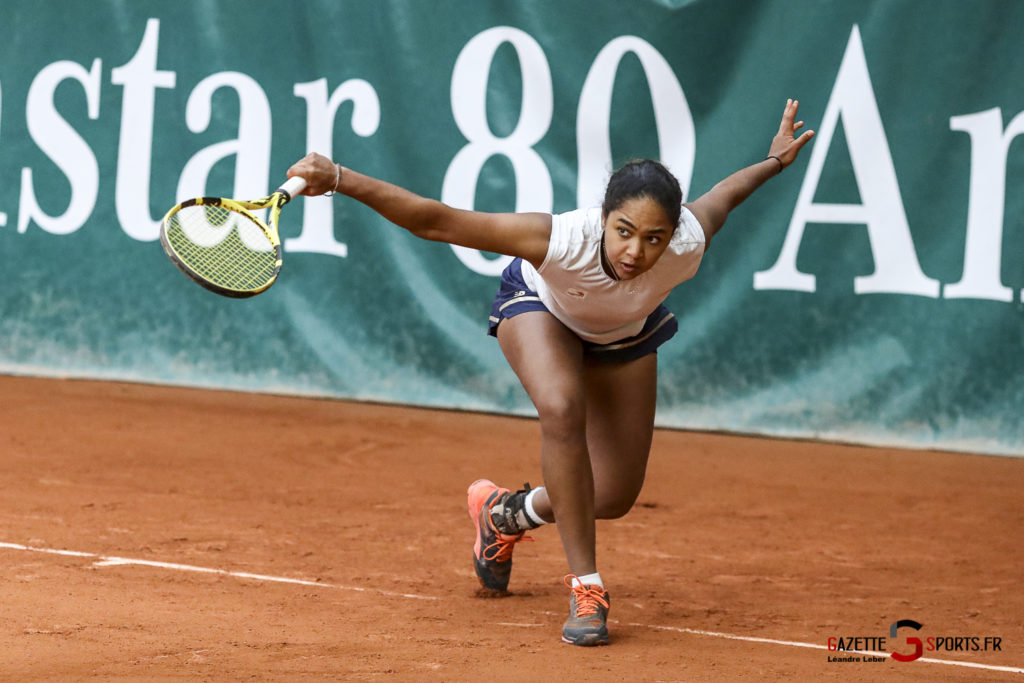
(501, 549)
(588, 598)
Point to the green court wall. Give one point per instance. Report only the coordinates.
(872, 293)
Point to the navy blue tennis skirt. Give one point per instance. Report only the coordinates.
(514, 297)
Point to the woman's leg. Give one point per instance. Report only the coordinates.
(621, 399)
(548, 359)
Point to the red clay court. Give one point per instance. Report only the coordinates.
(292, 539)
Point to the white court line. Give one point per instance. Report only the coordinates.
(111, 561)
(791, 643)
(105, 561)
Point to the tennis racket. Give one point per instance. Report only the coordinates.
(220, 244)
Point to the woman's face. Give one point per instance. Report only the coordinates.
(635, 236)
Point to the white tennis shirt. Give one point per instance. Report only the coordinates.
(577, 291)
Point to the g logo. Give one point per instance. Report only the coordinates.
(916, 642)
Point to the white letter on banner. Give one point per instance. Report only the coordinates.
(64, 146)
(896, 267)
(251, 148)
(135, 147)
(983, 252)
(317, 234)
(676, 137)
(469, 105)
(252, 165)
(3, 216)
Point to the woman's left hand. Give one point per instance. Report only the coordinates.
(785, 145)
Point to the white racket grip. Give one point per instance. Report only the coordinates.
(293, 186)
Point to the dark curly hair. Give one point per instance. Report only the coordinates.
(644, 178)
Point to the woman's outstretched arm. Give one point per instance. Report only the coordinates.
(515, 234)
(713, 207)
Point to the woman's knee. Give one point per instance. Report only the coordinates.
(562, 418)
(614, 504)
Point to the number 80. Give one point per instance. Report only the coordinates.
(674, 122)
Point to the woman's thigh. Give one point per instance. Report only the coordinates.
(621, 401)
(548, 359)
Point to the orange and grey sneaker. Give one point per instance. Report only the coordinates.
(492, 551)
(588, 615)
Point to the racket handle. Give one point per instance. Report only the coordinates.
(293, 186)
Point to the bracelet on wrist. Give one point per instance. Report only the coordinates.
(772, 156)
(337, 181)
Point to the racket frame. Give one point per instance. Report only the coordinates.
(273, 201)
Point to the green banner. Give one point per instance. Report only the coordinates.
(872, 293)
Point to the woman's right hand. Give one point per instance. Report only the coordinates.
(321, 174)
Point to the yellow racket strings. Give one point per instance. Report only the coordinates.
(207, 240)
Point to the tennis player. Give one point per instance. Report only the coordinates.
(579, 316)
